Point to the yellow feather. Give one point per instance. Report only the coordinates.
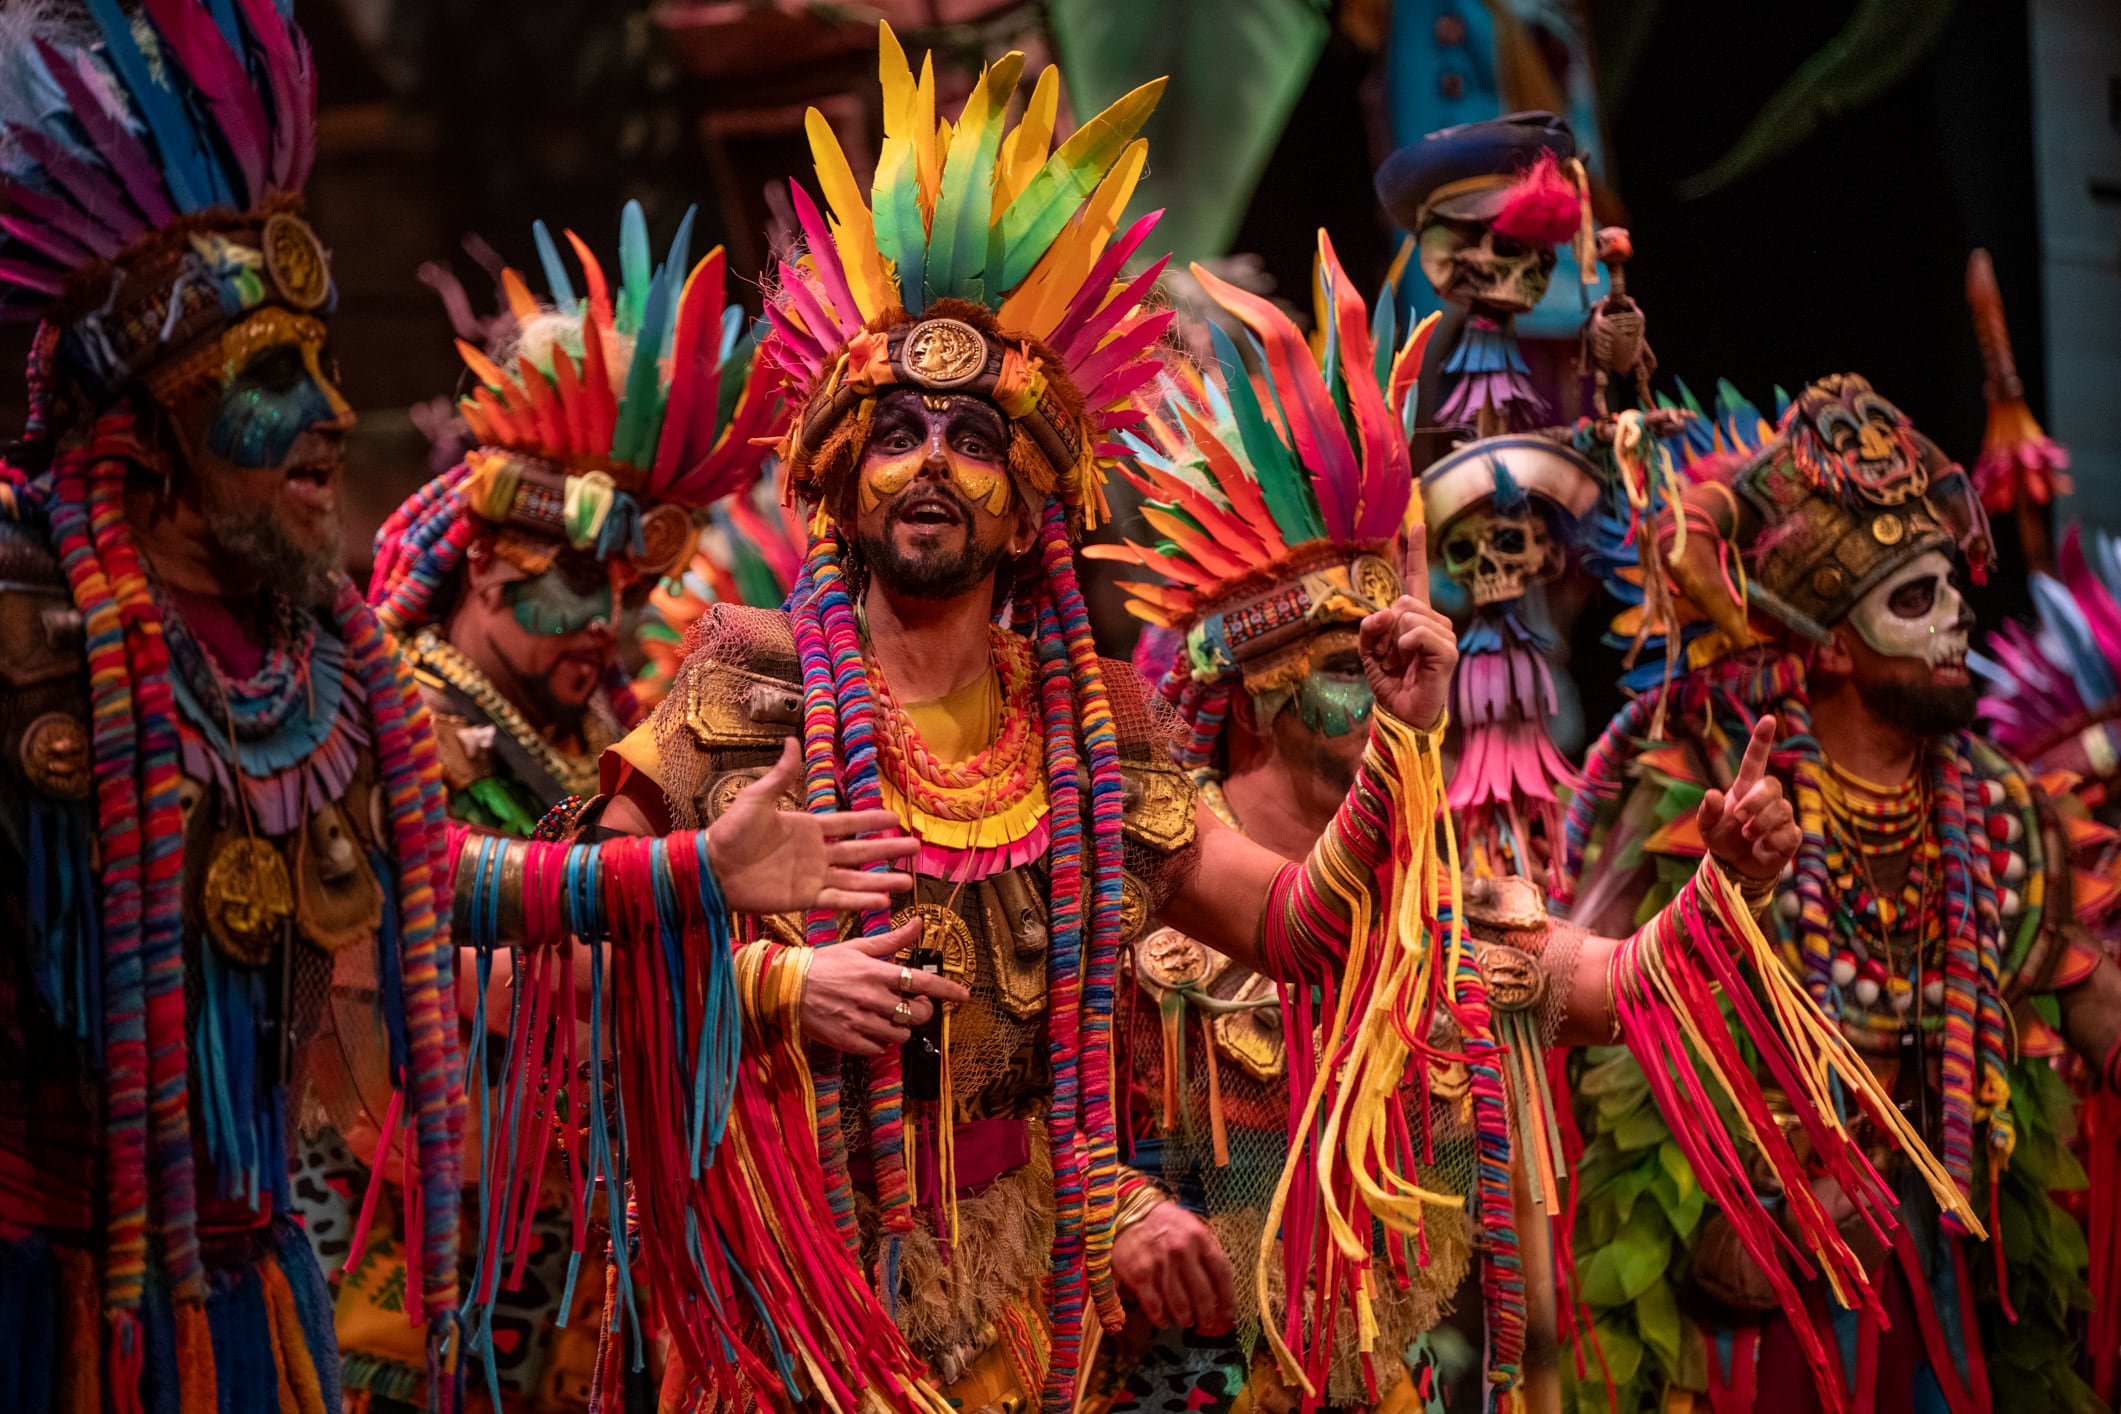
(925, 148)
(891, 69)
(853, 230)
(1024, 151)
(521, 302)
(1054, 282)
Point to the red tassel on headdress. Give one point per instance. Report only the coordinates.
(1541, 207)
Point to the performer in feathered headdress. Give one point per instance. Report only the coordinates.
(618, 415)
(1927, 911)
(961, 348)
(227, 791)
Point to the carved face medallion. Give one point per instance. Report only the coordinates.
(944, 353)
(55, 757)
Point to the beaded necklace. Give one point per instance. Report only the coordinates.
(576, 775)
(995, 779)
(258, 705)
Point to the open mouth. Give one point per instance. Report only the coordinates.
(314, 482)
(931, 513)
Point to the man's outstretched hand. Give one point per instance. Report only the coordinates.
(1410, 649)
(1750, 828)
(770, 860)
(1172, 1267)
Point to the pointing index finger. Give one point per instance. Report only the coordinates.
(1414, 563)
(1754, 766)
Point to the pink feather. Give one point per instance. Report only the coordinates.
(1122, 349)
(31, 277)
(1387, 471)
(699, 309)
(95, 196)
(294, 98)
(87, 99)
(2100, 611)
(817, 238)
(47, 242)
(63, 217)
(1540, 208)
(218, 73)
(792, 347)
(1090, 297)
(1115, 312)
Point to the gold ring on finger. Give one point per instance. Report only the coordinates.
(902, 1014)
(905, 981)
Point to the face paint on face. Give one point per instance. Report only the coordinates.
(964, 436)
(559, 602)
(273, 389)
(1917, 613)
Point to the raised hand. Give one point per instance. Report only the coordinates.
(859, 999)
(770, 860)
(1410, 649)
(1751, 828)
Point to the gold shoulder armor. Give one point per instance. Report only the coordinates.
(1157, 801)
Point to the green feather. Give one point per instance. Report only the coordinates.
(900, 235)
(1384, 334)
(633, 268)
(1036, 217)
(641, 412)
(1282, 484)
(957, 242)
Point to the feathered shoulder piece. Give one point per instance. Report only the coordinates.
(610, 418)
(152, 167)
(983, 261)
(1270, 515)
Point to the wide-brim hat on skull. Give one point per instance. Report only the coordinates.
(153, 168)
(1272, 529)
(1465, 172)
(985, 262)
(618, 415)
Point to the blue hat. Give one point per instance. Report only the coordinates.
(1463, 171)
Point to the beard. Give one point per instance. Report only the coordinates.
(253, 534)
(1923, 708)
(935, 574)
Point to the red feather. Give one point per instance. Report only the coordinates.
(1388, 473)
(1230, 478)
(1541, 207)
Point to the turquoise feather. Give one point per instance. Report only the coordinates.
(633, 268)
(1282, 484)
(1384, 334)
(190, 171)
(641, 412)
(900, 235)
(556, 279)
(678, 264)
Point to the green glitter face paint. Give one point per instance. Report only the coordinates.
(273, 389)
(556, 604)
(1334, 704)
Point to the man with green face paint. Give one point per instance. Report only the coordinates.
(507, 577)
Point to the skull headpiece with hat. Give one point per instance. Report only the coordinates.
(1488, 203)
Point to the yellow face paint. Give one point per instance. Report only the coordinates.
(980, 483)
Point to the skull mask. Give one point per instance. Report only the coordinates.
(1469, 263)
(1495, 557)
(1916, 613)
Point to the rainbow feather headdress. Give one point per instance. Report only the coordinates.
(982, 263)
(1274, 523)
(152, 173)
(618, 415)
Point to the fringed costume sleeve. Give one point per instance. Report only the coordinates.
(1373, 925)
(722, 1189)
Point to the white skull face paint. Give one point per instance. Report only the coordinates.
(1916, 613)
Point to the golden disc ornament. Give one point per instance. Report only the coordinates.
(248, 897)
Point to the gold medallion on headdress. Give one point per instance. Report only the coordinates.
(295, 261)
(944, 353)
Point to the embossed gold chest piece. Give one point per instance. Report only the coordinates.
(1374, 580)
(55, 757)
(1515, 981)
(295, 260)
(247, 898)
(1172, 961)
(1133, 907)
(944, 353)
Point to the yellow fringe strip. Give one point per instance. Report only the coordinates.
(1357, 1127)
